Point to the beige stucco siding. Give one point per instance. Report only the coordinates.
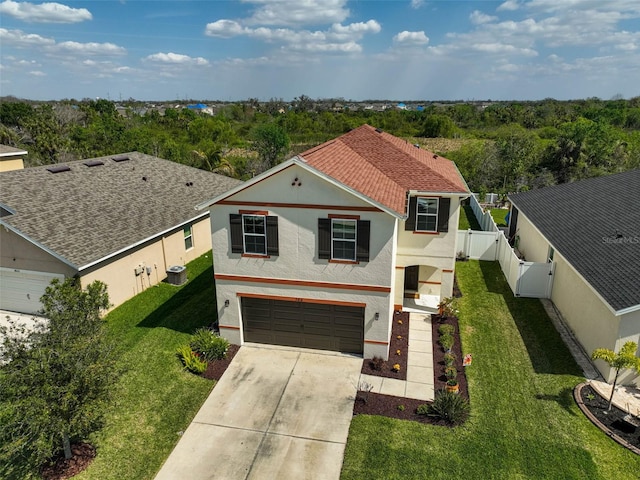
(587, 314)
(20, 254)
(434, 252)
(119, 273)
(11, 163)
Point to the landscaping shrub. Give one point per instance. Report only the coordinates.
(377, 363)
(446, 341)
(208, 344)
(423, 409)
(450, 372)
(449, 359)
(446, 329)
(191, 360)
(450, 407)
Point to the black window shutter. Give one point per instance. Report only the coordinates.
(362, 247)
(235, 221)
(443, 214)
(410, 223)
(324, 238)
(272, 235)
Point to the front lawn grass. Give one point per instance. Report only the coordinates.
(155, 399)
(524, 423)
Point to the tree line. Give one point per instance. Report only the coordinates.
(499, 146)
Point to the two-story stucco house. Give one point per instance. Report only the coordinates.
(319, 251)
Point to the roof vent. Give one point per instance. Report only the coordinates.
(417, 145)
(435, 156)
(93, 163)
(379, 130)
(189, 184)
(120, 158)
(59, 168)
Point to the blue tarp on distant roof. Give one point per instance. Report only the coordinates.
(197, 106)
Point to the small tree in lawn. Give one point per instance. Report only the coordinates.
(54, 380)
(624, 359)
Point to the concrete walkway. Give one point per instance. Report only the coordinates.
(420, 378)
(276, 413)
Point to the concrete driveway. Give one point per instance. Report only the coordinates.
(275, 414)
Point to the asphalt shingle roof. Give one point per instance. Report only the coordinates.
(384, 167)
(88, 213)
(595, 225)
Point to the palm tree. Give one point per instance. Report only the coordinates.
(624, 359)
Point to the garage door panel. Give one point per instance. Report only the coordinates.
(303, 324)
(20, 290)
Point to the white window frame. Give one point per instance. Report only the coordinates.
(255, 235)
(188, 238)
(427, 215)
(550, 254)
(354, 240)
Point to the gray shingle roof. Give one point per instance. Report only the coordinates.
(595, 225)
(88, 213)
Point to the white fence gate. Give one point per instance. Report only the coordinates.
(526, 279)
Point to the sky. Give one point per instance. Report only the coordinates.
(357, 50)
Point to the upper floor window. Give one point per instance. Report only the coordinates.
(188, 238)
(343, 239)
(254, 233)
(428, 214)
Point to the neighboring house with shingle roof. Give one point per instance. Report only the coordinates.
(11, 158)
(320, 250)
(122, 219)
(590, 230)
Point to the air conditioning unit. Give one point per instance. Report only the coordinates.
(177, 275)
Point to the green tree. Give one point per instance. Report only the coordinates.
(271, 142)
(54, 380)
(438, 126)
(624, 359)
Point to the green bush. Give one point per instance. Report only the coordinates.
(449, 359)
(423, 409)
(450, 372)
(446, 341)
(191, 360)
(446, 329)
(450, 407)
(208, 344)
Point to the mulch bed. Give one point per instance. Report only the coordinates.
(62, 469)
(368, 403)
(216, 368)
(384, 368)
(595, 407)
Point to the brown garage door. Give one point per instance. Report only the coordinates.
(303, 324)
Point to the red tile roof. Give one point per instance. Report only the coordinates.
(383, 167)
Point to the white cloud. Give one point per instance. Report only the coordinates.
(416, 4)
(411, 38)
(337, 38)
(478, 18)
(297, 12)
(509, 5)
(37, 73)
(176, 59)
(47, 12)
(20, 39)
(224, 29)
(90, 48)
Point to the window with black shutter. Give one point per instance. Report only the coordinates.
(343, 239)
(254, 234)
(428, 214)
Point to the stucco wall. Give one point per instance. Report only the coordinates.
(531, 243)
(11, 163)
(298, 257)
(432, 250)
(18, 253)
(119, 273)
(630, 332)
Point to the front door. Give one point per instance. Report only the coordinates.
(411, 277)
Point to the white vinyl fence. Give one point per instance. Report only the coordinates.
(526, 279)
